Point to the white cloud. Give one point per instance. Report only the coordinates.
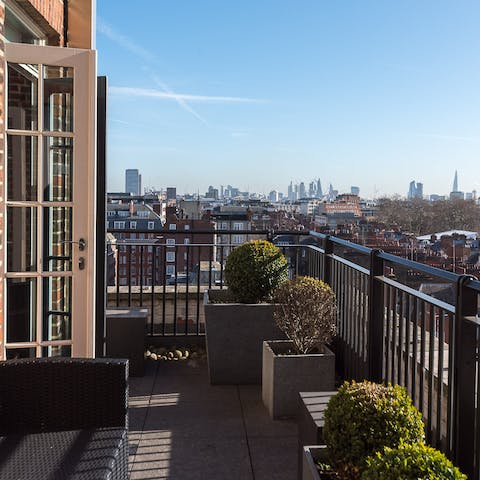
(166, 95)
(123, 41)
(165, 92)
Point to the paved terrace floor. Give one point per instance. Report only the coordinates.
(182, 428)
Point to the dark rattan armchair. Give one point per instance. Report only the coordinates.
(63, 418)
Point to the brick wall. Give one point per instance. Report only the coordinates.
(48, 15)
(51, 11)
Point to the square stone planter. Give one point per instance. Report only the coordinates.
(284, 376)
(312, 455)
(234, 333)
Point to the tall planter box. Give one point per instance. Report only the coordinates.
(234, 336)
(285, 376)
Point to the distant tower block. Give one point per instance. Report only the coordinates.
(133, 181)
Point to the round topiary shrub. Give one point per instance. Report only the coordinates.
(254, 270)
(363, 418)
(306, 313)
(411, 462)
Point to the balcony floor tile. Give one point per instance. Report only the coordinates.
(182, 428)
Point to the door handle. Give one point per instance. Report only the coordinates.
(82, 244)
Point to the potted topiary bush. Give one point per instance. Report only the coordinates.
(238, 319)
(410, 462)
(306, 312)
(363, 418)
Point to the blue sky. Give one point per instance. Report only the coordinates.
(260, 92)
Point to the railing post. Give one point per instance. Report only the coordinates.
(375, 345)
(465, 355)
(327, 261)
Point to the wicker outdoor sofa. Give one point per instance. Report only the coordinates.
(63, 419)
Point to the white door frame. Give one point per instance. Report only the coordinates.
(84, 191)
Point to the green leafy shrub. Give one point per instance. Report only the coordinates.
(363, 418)
(411, 462)
(254, 270)
(306, 312)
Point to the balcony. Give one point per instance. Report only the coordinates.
(398, 321)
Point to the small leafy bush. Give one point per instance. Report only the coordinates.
(363, 418)
(306, 313)
(254, 270)
(411, 462)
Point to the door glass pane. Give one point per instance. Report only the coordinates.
(57, 351)
(57, 301)
(58, 99)
(22, 96)
(13, 353)
(57, 169)
(21, 239)
(57, 235)
(22, 168)
(21, 309)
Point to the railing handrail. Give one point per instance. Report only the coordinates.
(422, 267)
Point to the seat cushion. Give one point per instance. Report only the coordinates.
(73, 455)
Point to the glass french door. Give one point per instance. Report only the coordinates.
(49, 202)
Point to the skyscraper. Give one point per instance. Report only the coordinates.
(415, 190)
(455, 183)
(319, 189)
(302, 192)
(133, 181)
(456, 194)
(290, 191)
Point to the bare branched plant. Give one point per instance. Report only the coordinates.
(306, 312)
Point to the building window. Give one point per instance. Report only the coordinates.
(133, 225)
(187, 227)
(238, 226)
(170, 270)
(238, 239)
(170, 241)
(118, 224)
(20, 28)
(170, 256)
(151, 225)
(111, 213)
(186, 241)
(172, 226)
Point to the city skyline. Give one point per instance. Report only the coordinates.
(373, 94)
(310, 188)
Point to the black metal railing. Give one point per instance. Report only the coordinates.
(389, 330)
(399, 321)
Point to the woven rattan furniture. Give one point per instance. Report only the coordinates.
(63, 419)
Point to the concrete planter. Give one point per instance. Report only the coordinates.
(285, 376)
(312, 455)
(234, 335)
